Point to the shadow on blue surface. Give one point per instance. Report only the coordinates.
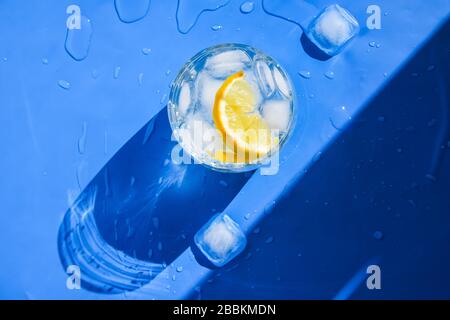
(141, 211)
(379, 192)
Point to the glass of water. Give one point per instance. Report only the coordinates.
(231, 107)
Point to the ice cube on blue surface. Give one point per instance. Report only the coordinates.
(220, 240)
(332, 29)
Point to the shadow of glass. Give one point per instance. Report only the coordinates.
(141, 211)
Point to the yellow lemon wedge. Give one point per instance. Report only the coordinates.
(241, 125)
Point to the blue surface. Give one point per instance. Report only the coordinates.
(376, 190)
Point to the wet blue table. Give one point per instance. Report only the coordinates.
(362, 181)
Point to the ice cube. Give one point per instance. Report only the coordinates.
(277, 114)
(220, 240)
(332, 29)
(227, 63)
(184, 99)
(282, 83)
(264, 77)
(199, 135)
(207, 88)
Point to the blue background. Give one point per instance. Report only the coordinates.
(368, 186)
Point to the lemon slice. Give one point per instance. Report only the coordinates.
(236, 117)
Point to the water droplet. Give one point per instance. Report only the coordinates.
(247, 7)
(305, 74)
(64, 84)
(329, 75)
(82, 139)
(223, 183)
(159, 246)
(132, 181)
(174, 278)
(269, 240)
(378, 235)
(148, 131)
(140, 78)
(247, 216)
(378, 45)
(4, 59)
(150, 253)
(131, 11)
(372, 44)
(95, 74)
(116, 72)
(189, 11)
(431, 68)
(78, 41)
(163, 99)
(44, 61)
(146, 51)
(168, 72)
(179, 269)
(311, 96)
(155, 222)
(216, 27)
(399, 150)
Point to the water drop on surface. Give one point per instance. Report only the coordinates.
(140, 78)
(269, 240)
(131, 10)
(148, 131)
(329, 75)
(116, 72)
(189, 11)
(305, 74)
(372, 44)
(155, 222)
(223, 183)
(64, 84)
(146, 51)
(94, 74)
(78, 41)
(247, 7)
(179, 269)
(378, 235)
(216, 27)
(82, 139)
(163, 99)
(44, 61)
